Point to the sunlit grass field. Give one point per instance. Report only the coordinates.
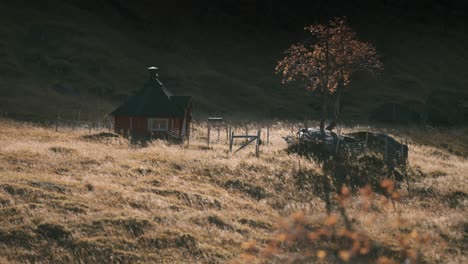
(65, 198)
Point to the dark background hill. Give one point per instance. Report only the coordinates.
(83, 57)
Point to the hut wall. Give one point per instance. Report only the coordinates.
(188, 120)
(139, 126)
(135, 125)
(122, 124)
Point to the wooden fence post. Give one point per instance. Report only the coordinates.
(386, 150)
(257, 145)
(208, 136)
(231, 141)
(78, 118)
(74, 123)
(268, 133)
(227, 133)
(365, 144)
(56, 122)
(189, 133)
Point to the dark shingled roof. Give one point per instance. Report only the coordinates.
(154, 100)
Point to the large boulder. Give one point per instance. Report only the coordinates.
(394, 153)
(313, 143)
(355, 159)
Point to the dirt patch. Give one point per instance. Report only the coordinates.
(100, 136)
(131, 226)
(464, 240)
(9, 212)
(69, 207)
(190, 199)
(96, 251)
(62, 150)
(439, 154)
(49, 186)
(460, 243)
(18, 238)
(218, 222)
(426, 192)
(437, 174)
(14, 190)
(143, 171)
(255, 224)
(4, 201)
(156, 183)
(28, 194)
(456, 199)
(138, 205)
(252, 167)
(62, 171)
(417, 172)
(54, 232)
(309, 180)
(251, 190)
(168, 240)
(175, 208)
(75, 208)
(21, 162)
(213, 171)
(89, 187)
(89, 163)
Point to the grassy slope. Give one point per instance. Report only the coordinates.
(63, 198)
(90, 47)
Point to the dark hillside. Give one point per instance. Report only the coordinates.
(86, 56)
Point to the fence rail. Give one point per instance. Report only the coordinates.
(221, 132)
(61, 124)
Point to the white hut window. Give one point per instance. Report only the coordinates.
(158, 124)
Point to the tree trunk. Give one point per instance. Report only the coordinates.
(338, 105)
(324, 112)
(336, 110)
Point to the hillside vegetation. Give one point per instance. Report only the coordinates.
(68, 197)
(80, 59)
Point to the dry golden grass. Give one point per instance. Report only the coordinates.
(67, 199)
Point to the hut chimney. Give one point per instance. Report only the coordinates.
(153, 72)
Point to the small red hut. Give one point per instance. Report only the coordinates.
(154, 112)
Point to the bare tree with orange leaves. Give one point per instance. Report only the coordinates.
(327, 63)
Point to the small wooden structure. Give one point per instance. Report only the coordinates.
(154, 112)
(250, 139)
